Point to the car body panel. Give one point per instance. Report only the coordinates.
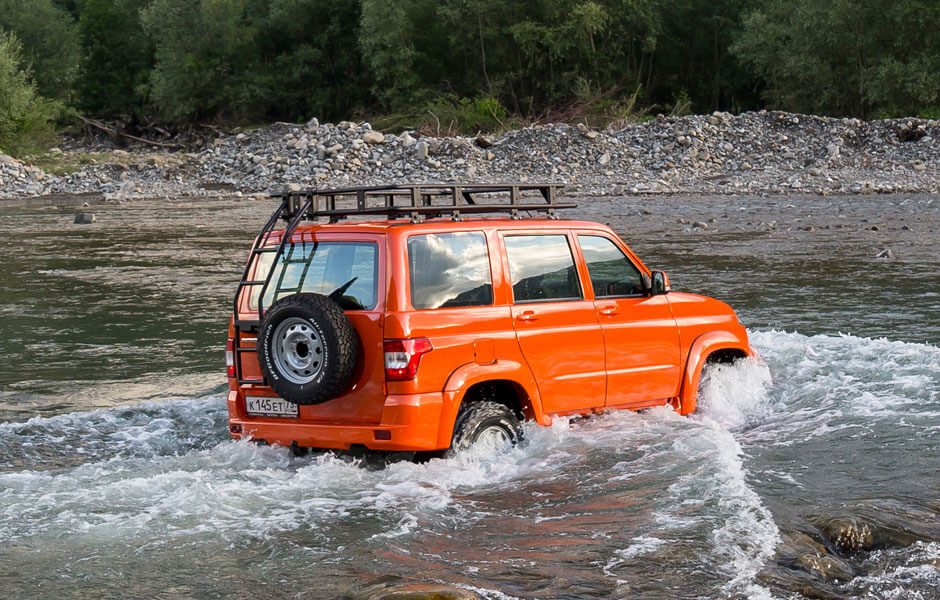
(559, 357)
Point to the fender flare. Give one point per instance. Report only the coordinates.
(466, 376)
(701, 348)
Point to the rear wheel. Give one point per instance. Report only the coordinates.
(486, 424)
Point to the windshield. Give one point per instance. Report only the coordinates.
(345, 271)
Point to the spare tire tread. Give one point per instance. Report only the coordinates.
(339, 336)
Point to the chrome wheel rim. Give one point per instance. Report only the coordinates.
(298, 350)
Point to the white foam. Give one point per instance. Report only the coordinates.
(907, 574)
(735, 394)
(162, 473)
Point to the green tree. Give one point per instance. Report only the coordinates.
(207, 61)
(694, 56)
(312, 61)
(49, 38)
(117, 57)
(846, 57)
(387, 37)
(530, 55)
(25, 117)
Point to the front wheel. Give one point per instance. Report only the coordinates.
(486, 424)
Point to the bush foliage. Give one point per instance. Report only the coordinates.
(25, 117)
(846, 57)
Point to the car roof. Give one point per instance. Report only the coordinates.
(436, 225)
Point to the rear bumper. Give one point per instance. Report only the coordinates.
(409, 422)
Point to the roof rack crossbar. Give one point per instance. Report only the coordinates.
(416, 202)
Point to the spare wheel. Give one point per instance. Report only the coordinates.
(307, 348)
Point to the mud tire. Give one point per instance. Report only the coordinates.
(317, 322)
(483, 418)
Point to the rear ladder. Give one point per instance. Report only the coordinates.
(293, 214)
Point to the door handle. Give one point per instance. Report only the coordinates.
(527, 316)
(608, 311)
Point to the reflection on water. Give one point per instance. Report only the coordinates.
(812, 474)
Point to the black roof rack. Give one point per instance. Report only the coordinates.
(418, 201)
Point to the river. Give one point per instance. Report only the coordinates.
(812, 473)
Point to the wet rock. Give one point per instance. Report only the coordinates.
(825, 566)
(85, 218)
(848, 534)
(395, 588)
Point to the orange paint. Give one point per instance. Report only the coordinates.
(592, 350)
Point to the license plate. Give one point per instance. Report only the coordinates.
(266, 406)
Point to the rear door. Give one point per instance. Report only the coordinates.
(640, 334)
(556, 327)
(321, 263)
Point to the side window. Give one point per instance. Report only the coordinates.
(542, 268)
(612, 273)
(448, 270)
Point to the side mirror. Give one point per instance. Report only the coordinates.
(660, 283)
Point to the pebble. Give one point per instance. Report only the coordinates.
(711, 154)
(421, 150)
(373, 137)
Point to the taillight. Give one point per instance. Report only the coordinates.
(230, 357)
(402, 358)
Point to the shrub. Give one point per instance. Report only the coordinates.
(50, 45)
(25, 117)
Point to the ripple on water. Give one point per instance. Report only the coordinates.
(622, 505)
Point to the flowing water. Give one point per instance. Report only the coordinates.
(812, 473)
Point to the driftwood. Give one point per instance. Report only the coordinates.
(118, 134)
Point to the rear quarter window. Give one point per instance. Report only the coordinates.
(542, 268)
(449, 270)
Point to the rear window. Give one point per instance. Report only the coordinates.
(449, 270)
(347, 270)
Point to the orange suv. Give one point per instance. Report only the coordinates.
(438, 327)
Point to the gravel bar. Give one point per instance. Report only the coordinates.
(763, 152)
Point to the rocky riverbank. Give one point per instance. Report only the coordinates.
(754, 153)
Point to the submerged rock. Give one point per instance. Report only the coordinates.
(848, 534)
(395, 588)
(825, 566)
